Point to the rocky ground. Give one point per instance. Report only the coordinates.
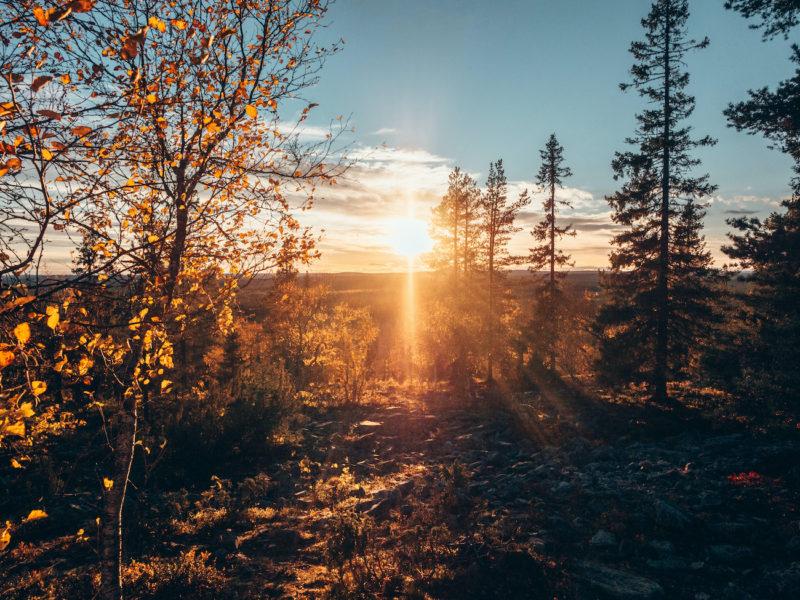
(424, 496)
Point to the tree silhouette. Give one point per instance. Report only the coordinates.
(498, 216)
(771, 248)
(546, 255)
(777, 16)
(636, 322)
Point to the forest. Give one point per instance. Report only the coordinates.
(189, 409)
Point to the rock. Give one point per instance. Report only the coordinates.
(562, 488)
(785, 581)
(667, 564)
(730, 531)
(730, 555)
(662, 547)
(617, 584)
(670, 516)
(603, 539)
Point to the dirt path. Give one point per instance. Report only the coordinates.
(426, 496)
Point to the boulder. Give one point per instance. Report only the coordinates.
(617, 584)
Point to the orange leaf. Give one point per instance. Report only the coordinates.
(42, 16)
(50, 114)
(6, 358)
(179, 24)
(80, 6)
(251, 111)
(81, 130)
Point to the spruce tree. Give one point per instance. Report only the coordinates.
(546, 255)
(777, 17)
(770, 249)
(498, 216)
(637, 322)
(695, 289)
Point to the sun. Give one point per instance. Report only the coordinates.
(409, 237)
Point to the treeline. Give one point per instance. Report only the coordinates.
(664, 315)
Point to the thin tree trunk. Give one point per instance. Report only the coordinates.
(553, 323)
(662, 324)
(114, 502)
(489, 366)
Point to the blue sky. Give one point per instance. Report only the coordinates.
(447, 82)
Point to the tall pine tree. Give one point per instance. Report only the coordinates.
(498, 216)
(637, 322)
(546, 255)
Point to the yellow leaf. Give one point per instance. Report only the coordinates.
(251, 111)
(23, 333)
(6, 358)
(165, 383)
(26, 410)
(46, 154)
(179, 24)
(108, 483)
(52, 317)
(17, 429)
(157, 23)
(152, 238)
(38, 387)
(5, 536)
(36, 514)
(15, 463)
(151, 98)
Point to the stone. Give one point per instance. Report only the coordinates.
(667, 564)
(562, 488)
(730, 555)
(617, 584)
(662, 546)
(670, 516)
(603, 539)
(785, 581)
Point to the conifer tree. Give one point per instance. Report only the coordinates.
(498, 216)
(638, 320)
(545, 255)
(777, 17)
(456, 229)
(695, 290)
(455, 225)
(770, 249)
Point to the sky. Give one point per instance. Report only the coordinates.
(429, 85)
